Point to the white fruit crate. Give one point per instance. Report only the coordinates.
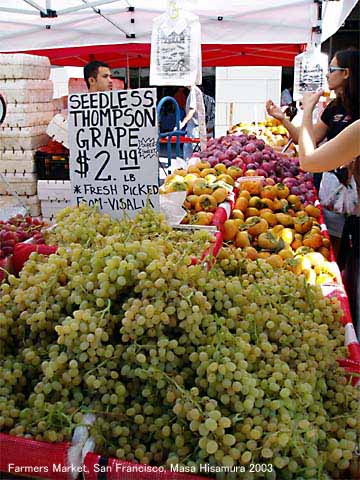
(22, 65)
(54, 190)
(58, 129)
(17, 166)
(50, 208)
(31, 119)
(23, 138)
(20, 183)
(31, 202)
(17, 161)
(27, 91)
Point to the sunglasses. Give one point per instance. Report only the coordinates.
(334, 69)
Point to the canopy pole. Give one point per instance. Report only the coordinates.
(127, 71)
(35, 5)
(88, 5)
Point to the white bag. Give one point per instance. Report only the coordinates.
(337, 197)
(176, 48)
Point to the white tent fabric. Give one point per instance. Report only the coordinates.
(101, 22)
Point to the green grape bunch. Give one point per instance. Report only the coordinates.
(179, 365)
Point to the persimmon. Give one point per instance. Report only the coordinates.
(251, 253)
(284, 219)
(313, 240)
(268, 192)
(230, 230)
(251, 212)
(192, 199)
(256, 202)
(226, 178)
(202, 218)
(207, 171)
(268, 203)
(242, 240)
(256, 225)
(220, 168)
(241, 203)
(303, 224)
(282, 191)
(201, 187)
(220, 194)
(245, 193)
(268, 241)
(203, 164)
(194, 169)
(275, 261)
(205, 203)
(234, 172)
(236, 213)
(297, 242)
(269, 216)
(287, 235)
(312, 211)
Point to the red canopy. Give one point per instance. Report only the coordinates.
(138, 55)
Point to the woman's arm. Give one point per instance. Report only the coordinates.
(188, 117)
(320, 128)
(339, 151)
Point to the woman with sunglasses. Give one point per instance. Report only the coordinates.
(343, 79)
(344, 149)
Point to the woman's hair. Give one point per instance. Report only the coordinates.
(349, 58)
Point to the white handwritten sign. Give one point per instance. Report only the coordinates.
(113, 150)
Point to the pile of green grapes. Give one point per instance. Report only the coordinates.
(180, 365)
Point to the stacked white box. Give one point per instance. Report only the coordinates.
(54, 195)
(28, 92)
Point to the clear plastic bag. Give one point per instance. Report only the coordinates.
(337, 197)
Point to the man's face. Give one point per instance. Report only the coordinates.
(102, 82)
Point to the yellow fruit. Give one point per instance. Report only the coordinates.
(208, 171)
(237, 214)
(226, 178)
(210, 178)
(220, 194)
(202, 218)
(242, 204)
(275, 260)
(287, 234)
(230, 230)
(251, 253)
(220, 168)
(242, 240)
(200, 187)
(286, 253)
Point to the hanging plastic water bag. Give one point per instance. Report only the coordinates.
(310, 72)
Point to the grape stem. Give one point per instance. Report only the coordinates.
(106, 309)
